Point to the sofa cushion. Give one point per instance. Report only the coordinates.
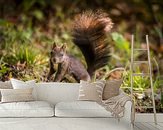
(18, 84)
(91, 91)
(16, 95)
(5, 85)
(26, 109)
(111, 88)
(80, 109)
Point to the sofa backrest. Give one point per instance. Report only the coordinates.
(54, 92)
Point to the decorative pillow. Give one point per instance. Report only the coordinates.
(16, 95)
(111, 88)
(18, 84)
(5, 85)
(91, 91)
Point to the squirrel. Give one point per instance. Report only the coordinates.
(89, 34)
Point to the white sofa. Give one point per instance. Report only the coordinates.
(63, 113)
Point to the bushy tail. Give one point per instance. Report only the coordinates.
(89, 34)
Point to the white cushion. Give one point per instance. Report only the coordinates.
(80, 109)
(26, 109)
(18, 84)
(57, 92)
(5, 85)
(16, 95)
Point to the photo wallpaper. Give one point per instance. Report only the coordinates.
(73, 40)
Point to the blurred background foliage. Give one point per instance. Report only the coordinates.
(28, 29)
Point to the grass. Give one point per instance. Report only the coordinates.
(25, 55)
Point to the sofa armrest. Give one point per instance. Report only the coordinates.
(126, 120)
(128, 112)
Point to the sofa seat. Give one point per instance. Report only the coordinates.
(80, 109)
(58, 123)
(26, 109)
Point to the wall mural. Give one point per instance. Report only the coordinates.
(69, 41)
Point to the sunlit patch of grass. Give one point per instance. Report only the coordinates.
(139, 83)
(28, 55)
(3, 69)
(25, 55)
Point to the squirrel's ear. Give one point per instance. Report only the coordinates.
(63, 47)
(54, 45)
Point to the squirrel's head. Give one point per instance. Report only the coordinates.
(58, 53)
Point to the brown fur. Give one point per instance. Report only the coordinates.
(89, 34)
(67, 64)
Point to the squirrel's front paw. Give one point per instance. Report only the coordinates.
(47, 79)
